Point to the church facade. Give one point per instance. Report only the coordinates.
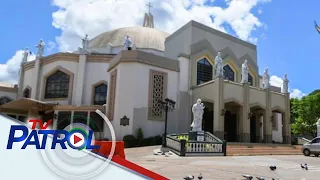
(127, 79)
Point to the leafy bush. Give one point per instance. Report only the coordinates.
(158, 140)
(129, 141)
(147, 141)
(139, 136)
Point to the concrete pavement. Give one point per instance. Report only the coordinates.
(225, 167)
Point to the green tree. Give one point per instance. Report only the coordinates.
(306, 113)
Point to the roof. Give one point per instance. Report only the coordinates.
(142, 37)
(3, 84)
(25, 104)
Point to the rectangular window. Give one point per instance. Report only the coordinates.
(157, 92)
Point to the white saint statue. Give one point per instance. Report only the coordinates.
(197, 110)
(285, 84)
(266, 79)
(219, 65)
(25, 56)
(85, 42)
(127, 43)
(40, 47)
(245, 72)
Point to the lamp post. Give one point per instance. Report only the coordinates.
(167, 105)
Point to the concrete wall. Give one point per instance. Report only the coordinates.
(132, 99)
(95, 72)
(257, 96)
(10, 95)
(233, 91)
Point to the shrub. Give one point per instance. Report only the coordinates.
(129, 141)
(158, 140)
(147, 141)
(139, 136)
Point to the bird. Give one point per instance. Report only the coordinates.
(248, 177)
(189, 177)
(260, 178)
(200, 176)
(272, 168)
(305, 166)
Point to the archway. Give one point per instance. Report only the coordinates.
(207, 120)
(256, 122)
(231, 118)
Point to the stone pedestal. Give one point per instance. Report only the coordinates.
(196, 136)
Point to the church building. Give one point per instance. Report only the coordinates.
(125, 72)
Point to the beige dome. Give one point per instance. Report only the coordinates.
(142, 37)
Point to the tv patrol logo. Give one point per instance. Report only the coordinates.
(57, 147)
(76, 138)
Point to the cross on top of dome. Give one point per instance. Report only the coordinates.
(148, 18)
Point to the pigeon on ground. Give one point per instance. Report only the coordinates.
(305, 166)
(248, 177)
(260, 178)
(272, 168)
(200, 176)
(189, 177)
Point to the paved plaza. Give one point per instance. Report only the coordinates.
(226, 167)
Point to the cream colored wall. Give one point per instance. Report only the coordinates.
(277, 100)
(204, 92)
(233, 90)
(94, 72)
(257, 96)
(11, 95)
(28, 78)
(47, 68)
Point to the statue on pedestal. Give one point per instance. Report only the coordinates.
(25, 56)
(127, 43)
(285, 84)
(266, 79)
(219, 65)
(85, 42)
(197, 110)
(40, 47)
(245, 72)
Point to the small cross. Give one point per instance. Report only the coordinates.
(149, 5)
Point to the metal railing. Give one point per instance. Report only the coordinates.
(212, 145)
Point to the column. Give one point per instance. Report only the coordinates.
(20, 85)
(80, 79)
(184, 95)
(36, 79)
(218, 124)
(267, 125)
(286, 121)
(245, 121)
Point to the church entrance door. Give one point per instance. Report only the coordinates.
(230, 126)
(253, 129)
(207, 120)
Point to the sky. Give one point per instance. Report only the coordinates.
(283, 30)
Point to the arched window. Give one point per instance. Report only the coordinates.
(204, 71)
(4, 100)
(57, 85)
(250, 80)
(26, 93)
(228, 73)
(100, 94)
